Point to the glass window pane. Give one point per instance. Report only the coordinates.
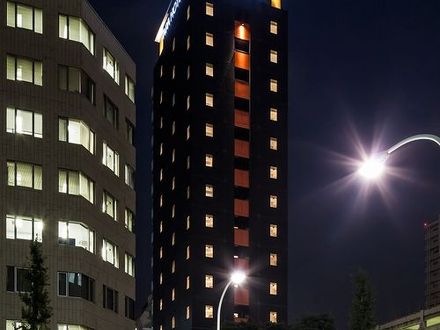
(74, 131)
(23, 284)
(38, 125)
(62, 287)
(38, 14)
(62, 26)
(24, 122)
(38, 74)
(24, 70)
(10, 120)
(62, 231)
(38, 177)
(24, 175)
(73, 183)
(62, 181)
(11, 14)
(84, 136)
(74, 28)
(38, 230)
(10, 67)
(24, 17)
(74, 80)
(24, 228)
(11, 173)
(74, 282)
(10, 227)
(79, 235)
(62, 129)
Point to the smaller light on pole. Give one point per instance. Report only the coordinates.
(237, 278)
(374, 167)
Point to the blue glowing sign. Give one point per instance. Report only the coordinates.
(171, 15)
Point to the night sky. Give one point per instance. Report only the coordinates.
(361, 71)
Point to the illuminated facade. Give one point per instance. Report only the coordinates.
(432, 260)
(68, 161)
(220, 163)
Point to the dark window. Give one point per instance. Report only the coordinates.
(111, 112)
(242, 45)
(110, 298)
(130, 133)
(242, 74)
(76, 285)
(75, 80)
(129, 308)
(17, 280)
(241, 104)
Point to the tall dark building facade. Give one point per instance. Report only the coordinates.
(67, 158)
(432, 264)
(220, 163)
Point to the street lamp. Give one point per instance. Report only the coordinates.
(374, 167)
(237, 278)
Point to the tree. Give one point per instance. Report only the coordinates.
(315, 322)
(36, 312)
(362, 309)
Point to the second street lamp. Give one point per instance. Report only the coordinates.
(374, 167)
(237, 278)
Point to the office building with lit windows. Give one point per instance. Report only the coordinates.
(220, 163)
(68, 161)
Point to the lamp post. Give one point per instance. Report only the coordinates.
(375, 166)
(236, 278)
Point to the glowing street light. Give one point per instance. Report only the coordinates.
(237, 278)
(374, 167)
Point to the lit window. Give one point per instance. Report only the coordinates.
(273, 317)
(188, 222)
(209, 9)
(25, 175)
(129, 88)
(174, 44)
(173, 183)
(129, 176)
(173, 211)
(274, 85)
(273, 201)
(209, 281)
(161, 227)
(24, 17)
(161, 71)
(188, 162)
(273, 27)
(76, 183)
(173, 239)
(110, 253)
(129, 220)
(209, 100)
(110, 158)
(160, 278)
(209, 311)
(161, 174)
(209, 39)
(24, 122)
(273, 288)
(109, 205)
(173, 128)
(173, 319)
(209, 251)
(188, 132)
(274, 56)
(129, 264)
(276, 3)
(161, 200)
(173, 156)
(173, 74)
(188, 282)
(76, 285)
(76, 132)
(25, 228)
(209, 190)
(273, 143)
(273, 231)
(110, 65)
(209, 69)
(273, 259)
(24, 69)
(75, 29)
(173, 267)
(188, 12)
(161, 149)
(209, 221)
(76, 234)
(188, 252)
(273, 114)
(273, 172)
(160, 304)
(188, 102)
(161, 252)
(209, 130)
(188, 312)
(188, 42)
(17, 325)
(209, 160)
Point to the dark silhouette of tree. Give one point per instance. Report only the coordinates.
(254, 326)
(315, 322)
(362, 316)
(36, 312)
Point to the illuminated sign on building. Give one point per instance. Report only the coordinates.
(169, 17)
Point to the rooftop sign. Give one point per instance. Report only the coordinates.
(168, 20)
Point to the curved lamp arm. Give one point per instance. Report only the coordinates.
(429, 137)
(219, 309)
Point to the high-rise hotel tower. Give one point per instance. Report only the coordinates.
(67, 163)
(220, 163)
